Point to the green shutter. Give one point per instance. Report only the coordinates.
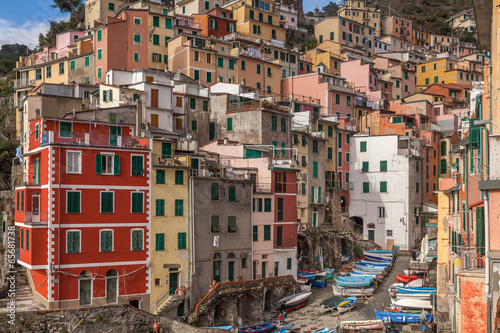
(214, 190)
(229, 124)
(274, 123)
(315, 169)
(362, 147)
(267, 204)
(73, 202)
(366, 167)
(283, 125)
(116, 164)
(98, 164)
(319, 194)
(160, 176)
(330, 131)
(179, 177)
(214, 222)
(179, 207)
(480, 235)
(137, 202)
(267, 232)
(232, 193)
(22, 238)
(231, 224)
(18, 201)
(279, 236)
(181, 241)
(106, 241)
(383, 187)
(255, 233)
(160, 207)
(137, 240)
(383, 165)
(22, 200)
(166, 150)
(192, 103)
(156, 21)
(168, 23)
(280, 209)
(27, 239)
(160, 242)
(366, 187)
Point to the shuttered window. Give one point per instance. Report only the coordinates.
(229, 124)
(362, 146)
(179, 177)
(160, 207)
(166, 150)
(73, 242)
(137, 240)
(107, 202)
(179, 207)
(315, 169)
(255, 233)
(267, 232)
(160, 176)
(274, 123)
(383, 165)
(366, 166)
(366, 187)
(480, 235)
(214, 191)
(267, 204)
(181, 241)
(137, 202)
(231, 224)
(106, 240)
(383, 187)
(279, 236)
(280, 209)
(73, 202)
(214, 224)
(232, 193)
(160, 242)
(137, 165)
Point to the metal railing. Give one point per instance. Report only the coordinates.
(22, 82)
(23, 179)
(87, 139)
(36, 217)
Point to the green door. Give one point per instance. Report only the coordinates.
(114, 132)
(217, 271)
(276, 268)
(85, 291)
(315, 219)
(111, 284)
(231, 270)
(211, 131)
(180, 310)
(371, 235)
(173, 283)
(264, 264)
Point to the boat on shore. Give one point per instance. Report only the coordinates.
(358, 325)
(354, 284)
(399, 310)
(285, 329)
(408, 290)
(296, 301)
(399, 296)
(260, 328)
(396, 317)
(339, 291)
(378, 258)
(347, 304)
(309, 276)
(330, 304)
(405, 278)
(373, 263)
(412, 303)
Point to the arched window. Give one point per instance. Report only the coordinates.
(370, 226)
(85, 288)
(111, 286)
(231, 255)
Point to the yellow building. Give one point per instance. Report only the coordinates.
(358, 11)
(346, 32)
(170, 234)
(259, 22)
(329, 54)
(447, 71)
(97, 10)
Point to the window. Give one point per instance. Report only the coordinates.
(274, 123)
(111, 6)
(61, 68)
(156, 21)
(267, 204)
(339, 141)
(443, 148)
(137, 165)
(280, 209)
(339, 158)
(71, 66)
(255, 233)
(137, 38)
(283, 125)
(99, 72)
(315, 169)
(366, 187)
(160, 242)
(362, 147)
(330, 131)
(99, 54)
(279, 236)
(27, 239)
(179, 177)
(179, 207)
(166, 150)
(160, 207)
(65, 129)
(73, 202)
(231, 64)
(337, 99)
(417, 187)
(231, 225)
(72, 242)
(383, 165)
(229, 125)
(330, 153)
(99, 35)
(214, 224)
(383, 187)
(214, 191)
(137, 20)
(258, 68)
(267, 232)
(347, 157)
(160, 176)
(137, 240)
(269, 72)
(73, 162)
(107, 164)
(192, 103)
(156, 39)
(136, 57)
(107, 202)
(366, 166)
(137, 202)
(220, 62)
(423, 69)
(181, 241)
(106, 237)
(232, 193)
(87, 61)
(381, 212)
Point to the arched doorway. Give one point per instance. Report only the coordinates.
(217, 260)
(111, 286)
(358, 225)
(267, 301)
(343, 204)
(85, 288)
(230, 266)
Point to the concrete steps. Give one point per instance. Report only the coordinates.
(23, 295)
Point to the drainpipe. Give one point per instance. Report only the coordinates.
(59, 237)
(189, 234)
(487, 257)
(192, 248)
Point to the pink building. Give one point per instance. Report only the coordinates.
(185, 24)
(363, 78)
(64, 43)
(335, 95)
(397, 26)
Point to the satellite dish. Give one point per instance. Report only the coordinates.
(189, 136)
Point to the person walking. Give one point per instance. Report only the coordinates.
(280, 319)
(210, 321)
(283, 314)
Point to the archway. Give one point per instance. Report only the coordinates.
(358, 225)
(267, 301)
(343, 204)
(111, 286)
(85, 288)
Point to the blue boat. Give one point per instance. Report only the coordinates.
(378, 270)
(309, 276)
(319, 283)
(285, 329)
(356, 278)
(329, 270)
(375, 258)
(408, 290)
(323, 330)
(364, 274)
(379, 251)
(397, 317)
(225, 328)
(261, 328)
(347, 304)
(341, 283)
(373, 263)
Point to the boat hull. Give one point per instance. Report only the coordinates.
(338, 291)
(354, 284)
(358, 325)
(400, 317)
(414, 303)
(261, 328)
(347, 304)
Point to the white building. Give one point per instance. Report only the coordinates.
(386, 172)
(381, 47)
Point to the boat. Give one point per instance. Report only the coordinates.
(302, 280)
(261, 328)
(316, 273)
(367, 274)
(409, 290)
(399, 296)
(405, 278)
(345, 258)
(224, 328)
(381, 252)
(374, 263)
(309, 276)
(358, 325)
(347, 304)
(399, 310)
(355, 284)
(297, 301)
(319, 283)
(286, 299)
(329, 273)
(413, 272)
(356, 278)
(330, 304)
(412, 303)
(373, 269)
(378, 258)
(323, 330)
(419, 283)
(339, 291)
(361, 271)
(396, 317)
(285, 329)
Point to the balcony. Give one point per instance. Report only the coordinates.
(26, 179)
(87, 139)
(281, 163)
(36, 217)
(24, 82)
(430, 127)
(345, 88)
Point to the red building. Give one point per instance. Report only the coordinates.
(82, 213)
(285, 214)
(218, 22)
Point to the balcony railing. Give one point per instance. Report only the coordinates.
(87, 139)
(36, 217)
(430, 127)
(22, 82)
(23, 179)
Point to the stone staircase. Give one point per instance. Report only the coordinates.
(23, 295)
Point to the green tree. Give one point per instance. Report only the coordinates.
(67, 6)
(331, 9)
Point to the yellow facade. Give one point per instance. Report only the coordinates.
(359, 12)
(447, 71)
(98, 10)
(256, 22)
(327, 53)
(158, 39)
(171, 263)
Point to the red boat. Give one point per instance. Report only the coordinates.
(405, 279)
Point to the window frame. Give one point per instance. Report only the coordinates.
(132, 201)
(77, 152)
(112, 240)
(112, 205)
(132, 237)
(79, 199)
(131, 165)
(79, 242)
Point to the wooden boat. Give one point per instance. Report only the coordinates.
(419, 283)
(285, 329)
(316, 273)
(372, 269)
(413, 272)
(330, 304)
(360, 271)
(347, 304)
(339, 291)
(357, 325)
(409, 290)
(309, 276)
(288, 298)
(412, 303)
(345, 258)
(399, 310)
(319, 283)
(381, 252)
(374, 263)
(354, 284)
(329, 273)
(399, 296)
(374, 275)
(356, 278)
(302, 280)
(396, 317)
(377, 258)
(298, 301)
(225, 328)
(261, 328)
(405, 278)
(323, 330)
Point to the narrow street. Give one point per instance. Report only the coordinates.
(311, 317)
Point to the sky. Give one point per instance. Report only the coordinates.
(309, 5)
(22, 20)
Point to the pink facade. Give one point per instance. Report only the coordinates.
(335, 95)
(63, 41)
(185, 24)
(362, 77)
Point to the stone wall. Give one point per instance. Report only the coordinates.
(243, 303)
(113, 318)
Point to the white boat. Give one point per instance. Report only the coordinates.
(399, 296)
(339, 291)
(418, 283)
(358, 325)
(305, 287)
(357, 270)
(408, 303)
(386, 254)
(413, 272)
(302, 280)
(294, 296)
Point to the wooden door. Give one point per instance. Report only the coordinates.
(154, 98)
(390, 244)
(231, 270)
(178, 123)
(154, 120)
